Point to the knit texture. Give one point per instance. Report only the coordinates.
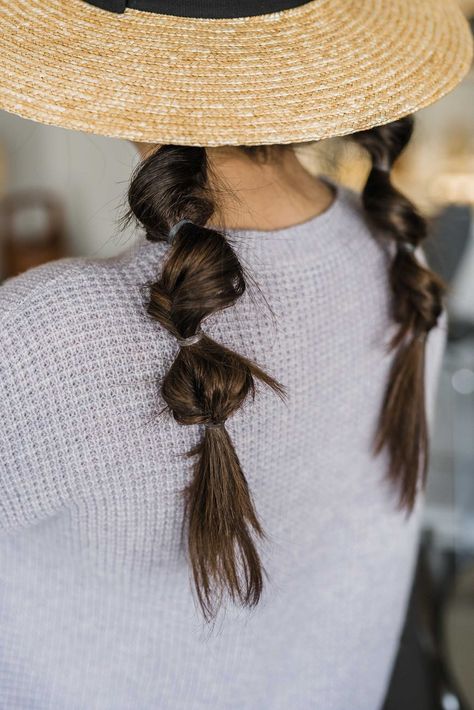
(97, 611)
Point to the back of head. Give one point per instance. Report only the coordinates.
(207, 382)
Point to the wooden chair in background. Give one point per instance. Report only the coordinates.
(32, 229)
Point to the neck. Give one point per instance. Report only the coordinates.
(252, 193)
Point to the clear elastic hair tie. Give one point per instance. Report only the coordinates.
(192, 339)
(215, 425)
(407, 247)
(175, 229)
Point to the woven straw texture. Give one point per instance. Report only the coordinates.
(326, 68)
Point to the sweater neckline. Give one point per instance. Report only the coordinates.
(316, 236)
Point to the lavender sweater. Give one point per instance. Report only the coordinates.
(96, 606)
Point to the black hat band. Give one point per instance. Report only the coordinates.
(211, 9)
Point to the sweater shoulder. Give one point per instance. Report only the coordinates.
(28, 288)
(74, 323)
(70, 332)
(58, 282)
(353, 209)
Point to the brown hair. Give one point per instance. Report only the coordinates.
(208, 382)
(417, 305)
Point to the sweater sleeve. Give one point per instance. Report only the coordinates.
(32, 487)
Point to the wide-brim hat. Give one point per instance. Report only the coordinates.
(228, 72)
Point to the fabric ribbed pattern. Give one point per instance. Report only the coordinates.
(96, 607)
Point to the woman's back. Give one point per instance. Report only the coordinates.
(96, 605)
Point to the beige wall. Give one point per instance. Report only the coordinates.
(89, 173)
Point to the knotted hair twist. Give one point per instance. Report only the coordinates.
(207, 382)
(417, 304)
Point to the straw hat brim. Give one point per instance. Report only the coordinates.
(326, 68)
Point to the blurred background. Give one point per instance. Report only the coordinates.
(62, 193)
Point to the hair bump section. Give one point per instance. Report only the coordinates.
(417, 303)
(207, 382)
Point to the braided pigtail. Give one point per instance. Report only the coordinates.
(207, 382)
(417, 305)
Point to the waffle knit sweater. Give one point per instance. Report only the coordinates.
(96, 607)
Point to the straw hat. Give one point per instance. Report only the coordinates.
(217, 72)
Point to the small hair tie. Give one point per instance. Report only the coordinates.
(407, 247)
(175, 229)
(383, 167)
(215, 425)
(192, 339)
